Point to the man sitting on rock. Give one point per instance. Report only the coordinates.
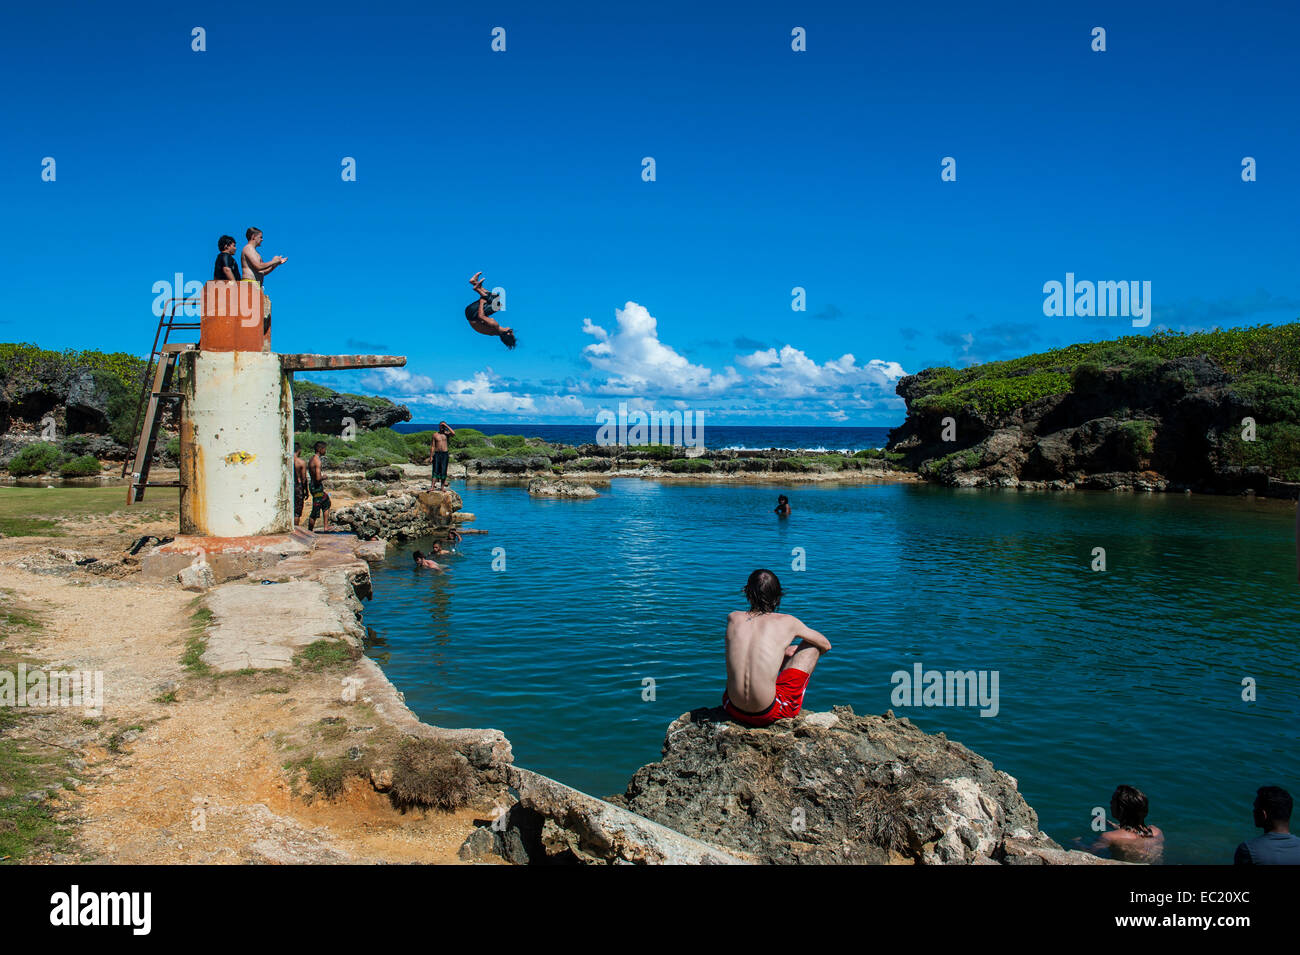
(766, 675)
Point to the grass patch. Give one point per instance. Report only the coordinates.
(324, 653)
(27, 827)
(36, 511)
(688, 466)
(325, 775)
(192, 658)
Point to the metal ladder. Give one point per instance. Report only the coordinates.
(155, 388)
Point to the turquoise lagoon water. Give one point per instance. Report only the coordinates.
(1132, 676)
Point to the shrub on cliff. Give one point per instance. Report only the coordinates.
(688, 466)
(367, 449)
(654, 452)
(466, 438)
(1275, 450)
(998, 387)
(85, 466)
(1136, 439)
(429, 773)
(22, 365)
(39, 457)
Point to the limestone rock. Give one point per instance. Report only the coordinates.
(1143, 426)
(481, 844)
(542, 487)
(837, 788)
(400, 515)
(325, 412)
(198, 576)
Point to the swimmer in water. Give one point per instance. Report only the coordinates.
(783, 506)
(1132, 840)
(427, 563)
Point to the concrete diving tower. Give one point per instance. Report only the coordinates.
(236, 417)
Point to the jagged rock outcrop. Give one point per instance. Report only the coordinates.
(400, 515)
(323, 413)
(542, 487)
(1161, 425)
(838, 788)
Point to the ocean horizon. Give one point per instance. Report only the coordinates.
(716, 437)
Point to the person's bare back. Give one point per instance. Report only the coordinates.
(766, 673)
(756, 654)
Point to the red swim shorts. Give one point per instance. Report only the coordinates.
(790, 687)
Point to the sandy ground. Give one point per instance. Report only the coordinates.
(201, 779)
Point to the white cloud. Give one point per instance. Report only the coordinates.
(638, 362)
(398, 380)
(790, 373)
(479, 393)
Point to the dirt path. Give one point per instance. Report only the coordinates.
(181, 768)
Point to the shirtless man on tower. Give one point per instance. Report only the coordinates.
(766, 674)
(255, 270)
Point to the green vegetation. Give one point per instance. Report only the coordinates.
(688, 466)
(309, 389)
(1138, 438)
(85, 466)
(1276, 449)
(465, 438)
(1266, 356)
(654, 452)
(956, 461)
(197, 642)
(23, 365)
(324, 653)
(368, 449)
(325, 775)
(28, 764)
(880, 454)
(39, 457)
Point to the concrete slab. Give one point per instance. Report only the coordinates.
(260, 627)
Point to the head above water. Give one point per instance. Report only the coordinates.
(419, 556)
(1273, 808)
(763, 591)
(782, 499)
(1129, 806)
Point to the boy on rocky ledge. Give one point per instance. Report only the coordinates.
(766, 675)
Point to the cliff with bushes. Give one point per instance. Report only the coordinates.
(64, 412)
(1213, 411)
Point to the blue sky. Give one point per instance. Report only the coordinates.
(774, 169)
